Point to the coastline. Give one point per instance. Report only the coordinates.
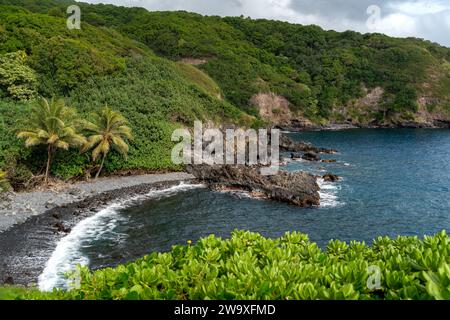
(39, 219)
(29, 237)
(32, 223)
(350, 126)
(23, 205)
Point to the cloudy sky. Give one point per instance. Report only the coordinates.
(428, 19)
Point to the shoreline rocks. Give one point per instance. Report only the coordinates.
(26, 247)
(405, 124)
(289, 145)
(311, 156)
(297, 188)
(329, 177)
(329, 161)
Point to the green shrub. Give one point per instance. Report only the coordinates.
(249, 266)
(12, 292)
(4, 184)
(438, 283)
(17, 80)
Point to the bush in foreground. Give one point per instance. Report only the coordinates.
(249, 266)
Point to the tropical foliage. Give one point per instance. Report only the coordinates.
(114, 60)
(155, 95)
(249, 266)
(17, 80)
(52, 124)
(316, 70)
(108, 130)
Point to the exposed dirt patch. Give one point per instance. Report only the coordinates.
(360, 111)
(272, 107)
(372, 98)
(195, 61)
(431, 111)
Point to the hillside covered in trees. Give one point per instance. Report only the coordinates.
(162, 70)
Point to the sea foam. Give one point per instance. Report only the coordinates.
(68, 255)
(328, 194)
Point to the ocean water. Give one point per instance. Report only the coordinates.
(394, 182)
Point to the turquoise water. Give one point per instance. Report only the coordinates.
(395, 182)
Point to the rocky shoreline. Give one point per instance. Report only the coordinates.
(16, 208)
(300, 126)
(25, 246)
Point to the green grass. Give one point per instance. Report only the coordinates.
(200, 78)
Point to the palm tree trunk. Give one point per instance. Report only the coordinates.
(101, 167)
(49, 161)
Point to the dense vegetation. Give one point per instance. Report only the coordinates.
(90, 68)
(249, 266)
(131, 59)
(316, 70)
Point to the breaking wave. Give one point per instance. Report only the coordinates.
(68, 255)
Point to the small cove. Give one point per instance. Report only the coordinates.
(395, 182)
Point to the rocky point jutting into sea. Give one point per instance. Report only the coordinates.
(298, 188)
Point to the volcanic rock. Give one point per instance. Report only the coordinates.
(310, 156)
(329, 177)
(61, 228)
(289, 145)
(297, 188)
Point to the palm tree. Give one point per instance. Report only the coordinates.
(51, 124)
(109, 129)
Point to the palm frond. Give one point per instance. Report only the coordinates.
(108, 129)
(77, 140)
(123, 131)
(52, 139)
(51, 123)
(27, 134)
(101, 149)
(91, 142)
(120, 145)
(61, 144)
(33, 141)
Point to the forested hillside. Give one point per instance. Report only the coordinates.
(91, 68)
(164, 69)
(324, 75)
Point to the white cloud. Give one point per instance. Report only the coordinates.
(398, 25)
(420, 7)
